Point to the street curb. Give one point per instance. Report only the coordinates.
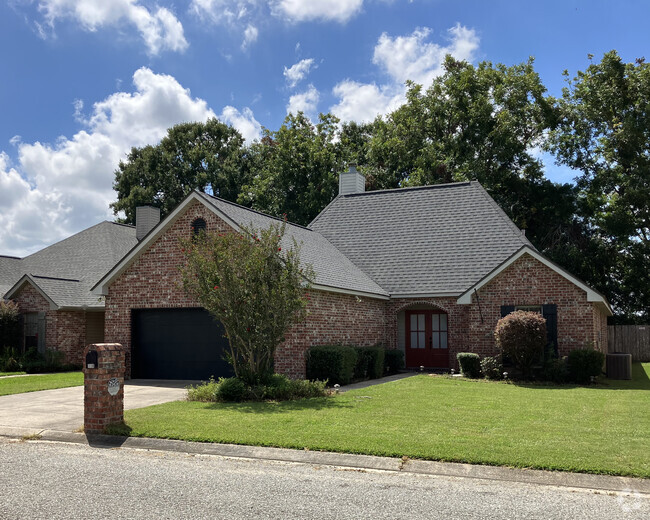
(361, 462)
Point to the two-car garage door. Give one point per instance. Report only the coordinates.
(177, 344)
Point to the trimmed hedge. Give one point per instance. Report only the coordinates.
(334, 363)
(370, 363)
(521, 337)
(584, 363)
(393, 361)
(492, 368)
(278, 388)
(470, 364)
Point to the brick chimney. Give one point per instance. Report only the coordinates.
(351, 181)
(146, 218)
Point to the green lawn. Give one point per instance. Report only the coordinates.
(600, 429)
(2, 374)
(19, 385)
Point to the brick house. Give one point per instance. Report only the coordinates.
(428, 270)
(52, 288)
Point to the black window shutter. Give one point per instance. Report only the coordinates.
(507, 309)
(550, 314)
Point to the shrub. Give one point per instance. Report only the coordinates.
(492, 367)
(393, 361)
(278, 388)
(521, 336)
(361, 366)
(555, 370)
(205, 392)
(332, 363)
(34, 362)
(582, 364)
(470, 364)
(10, 325)
(231, 389)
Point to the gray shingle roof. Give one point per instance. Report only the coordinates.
(67, 270)
(429, 240)
(331, 267)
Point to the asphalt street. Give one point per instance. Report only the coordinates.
(67, 481)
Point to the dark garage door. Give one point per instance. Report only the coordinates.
(177, 344)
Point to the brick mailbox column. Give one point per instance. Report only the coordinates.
(103, 386)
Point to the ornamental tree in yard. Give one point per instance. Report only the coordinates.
(254, 284)
(521, 336)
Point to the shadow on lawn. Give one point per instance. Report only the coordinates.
(639, 381)
(275, 407)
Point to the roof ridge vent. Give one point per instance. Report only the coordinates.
(351, 181)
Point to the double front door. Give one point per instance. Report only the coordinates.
(426, 339)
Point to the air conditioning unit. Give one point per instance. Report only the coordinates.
(619, 365)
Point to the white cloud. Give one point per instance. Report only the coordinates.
(250, 36)
(298, 71)
(159, 28)
(402, 58)
(243, 121)
(57, 189)
(413, 58)
(305, 102)
(307, 10)
(362, 102)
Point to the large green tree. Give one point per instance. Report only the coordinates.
(206, 156)
(604, 134)
(295, 168)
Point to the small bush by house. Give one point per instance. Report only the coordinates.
(492, 368)
(521, 336)
(277, 388)
(334, 363)
(393, 361)
(583, 364)
(370, 363)
(470, 364)
(555, 370)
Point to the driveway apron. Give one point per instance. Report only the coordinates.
(63, 408)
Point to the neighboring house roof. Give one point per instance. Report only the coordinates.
(431, 240)
(333, 270)
(9, 272)
(66, 270)
(592, 295)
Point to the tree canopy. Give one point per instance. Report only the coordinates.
(205, 156)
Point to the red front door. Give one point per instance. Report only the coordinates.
(426, 339)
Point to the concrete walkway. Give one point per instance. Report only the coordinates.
(62, 409)
(373, 382)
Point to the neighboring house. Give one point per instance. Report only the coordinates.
(429, 270)
(52, 288)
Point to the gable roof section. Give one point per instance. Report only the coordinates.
(29, 280)
(334, 272)
(67, 270)
(592, 295)
(425, 241)
(9, 272)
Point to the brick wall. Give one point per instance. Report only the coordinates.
(65, 331)
(529, 282)
(332, 319)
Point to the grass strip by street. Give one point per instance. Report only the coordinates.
(596, 429)
(3, 374)
(19, 385)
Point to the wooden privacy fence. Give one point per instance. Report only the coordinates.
(631, 339)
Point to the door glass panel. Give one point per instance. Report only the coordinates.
(421, 342)
(435, 322)
(436, 340)
(414, 322)
(420, 321)
(414, 340)
(443, 340)
(443, 322)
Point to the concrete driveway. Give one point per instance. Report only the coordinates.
(63, 408)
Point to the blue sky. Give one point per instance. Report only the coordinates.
(84, 80)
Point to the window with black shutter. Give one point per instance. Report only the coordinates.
(550, 314)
